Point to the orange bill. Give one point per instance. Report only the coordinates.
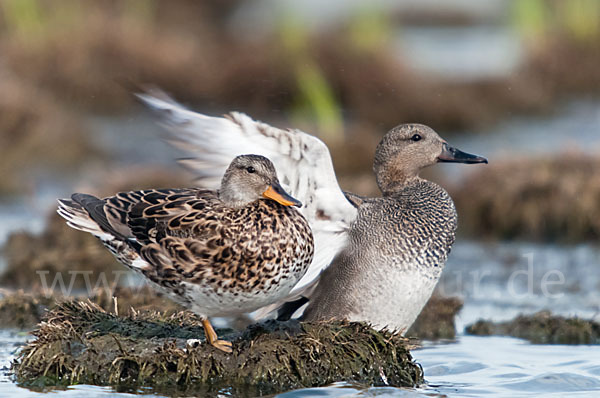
(275, 192)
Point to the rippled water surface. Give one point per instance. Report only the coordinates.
(501, 366)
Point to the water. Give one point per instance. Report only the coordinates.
(574, 127)
(501, 280)
(466, 53)
(501, 366)
(19, 216)
(132, 140)
(258, 18)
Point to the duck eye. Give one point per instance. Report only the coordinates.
(250, 169)
(416, 137)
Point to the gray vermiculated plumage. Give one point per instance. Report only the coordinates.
(399, 243)
(397, 250)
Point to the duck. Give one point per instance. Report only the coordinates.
(377, 260)
(398, 243)
(221, 252)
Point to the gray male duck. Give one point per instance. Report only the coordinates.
(399, 242)
(376, 259)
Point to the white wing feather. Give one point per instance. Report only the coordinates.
(302, 161)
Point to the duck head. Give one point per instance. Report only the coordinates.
(408, 148)
(252, 177)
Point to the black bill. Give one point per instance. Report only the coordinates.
(451, 154)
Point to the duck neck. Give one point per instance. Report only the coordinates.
(230, 201)
(234, 197)
(391, 179)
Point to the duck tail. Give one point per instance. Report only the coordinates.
(77, 217)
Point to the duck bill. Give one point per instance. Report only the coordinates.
(275, 192)
(453, 155)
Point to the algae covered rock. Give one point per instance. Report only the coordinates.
(79, 342)
(542, 328)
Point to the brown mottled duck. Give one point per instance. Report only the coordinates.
(218, 253)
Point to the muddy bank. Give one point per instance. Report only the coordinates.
(436, 320)
(61, 254)
(81, 343)
(541, 328)
(541, 198)
(22, 311)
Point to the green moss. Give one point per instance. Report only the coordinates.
(81, 343)
(542, 328)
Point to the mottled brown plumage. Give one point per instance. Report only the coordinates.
(219, 253)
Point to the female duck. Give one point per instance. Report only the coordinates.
(218, 253)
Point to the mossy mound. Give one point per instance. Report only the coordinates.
(542, 198)
(24, 311)
(436, 320)
(542, 328)
(21, 311)
(59, 252)
(79, 342)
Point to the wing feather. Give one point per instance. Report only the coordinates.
(302, 161)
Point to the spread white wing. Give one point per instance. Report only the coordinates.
(302, 161)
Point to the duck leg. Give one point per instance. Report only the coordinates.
(213, 339)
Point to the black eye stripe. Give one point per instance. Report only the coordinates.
(416, 137)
